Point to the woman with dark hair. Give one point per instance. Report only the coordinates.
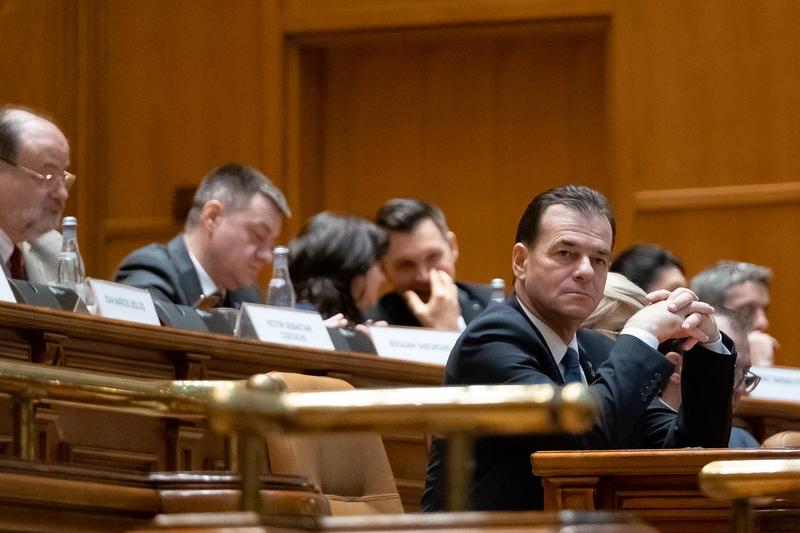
(333, 263)
(651, 267)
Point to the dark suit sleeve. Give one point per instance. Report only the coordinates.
(149, 268)
(506, 351)
(393, 309)
(704, 418)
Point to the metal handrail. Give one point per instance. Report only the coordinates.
(252, 409)
(742, 481)
(249, 409)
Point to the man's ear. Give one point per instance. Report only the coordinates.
(212, 211)
(519, 260)
(452, 242)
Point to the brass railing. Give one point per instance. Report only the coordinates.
(252, 408)
(30, 383)
(743, 481)
(260, 406)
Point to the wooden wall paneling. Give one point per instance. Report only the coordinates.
(753, 233)
(718, 90)
(305, 184)
(310, 16)
(183, 93)
(272, 74)
(619, 74)
(85, 190)
(477, 125)
(40, 70)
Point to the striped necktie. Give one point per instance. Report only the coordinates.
(572, 366)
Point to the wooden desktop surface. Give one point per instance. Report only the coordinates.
(659, 486)
(94, 438)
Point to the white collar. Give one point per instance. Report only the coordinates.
(207, 285)
(6, 246)
(557, 346)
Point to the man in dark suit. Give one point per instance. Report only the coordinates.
(421, 265)
(227, 240)
(560, 261)
(34, 155)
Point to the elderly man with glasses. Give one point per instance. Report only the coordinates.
(34, 155)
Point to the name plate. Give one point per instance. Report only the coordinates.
(420, 345)
(6, 294)
(114, 300)
(777, 383)
(286, 326)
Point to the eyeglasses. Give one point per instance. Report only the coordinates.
(48, 179)
(749, 380)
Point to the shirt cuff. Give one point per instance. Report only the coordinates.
(716, 347)
(643, 335)
(665, 404)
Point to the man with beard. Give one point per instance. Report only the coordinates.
(34, 155)
(421, 266)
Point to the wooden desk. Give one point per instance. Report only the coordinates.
(93, 438)
(473, 522)
(767, 417)
(659, 486)
(56, 498)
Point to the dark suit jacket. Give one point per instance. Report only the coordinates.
(393, 309)
(166, 270)
(503, 346)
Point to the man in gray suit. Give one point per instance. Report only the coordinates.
(34, 155)
(231, 228)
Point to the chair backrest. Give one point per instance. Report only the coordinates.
(784, 439)
(351, 469)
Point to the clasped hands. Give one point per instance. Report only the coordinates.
(677, 315)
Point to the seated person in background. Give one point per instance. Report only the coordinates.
(744, 288)
(34, 154)
(651, 267)
(560, 262)
(227, 240)
(621, 299)
(334, 265)
(733, 325)
(421, 266)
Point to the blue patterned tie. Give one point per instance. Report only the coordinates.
(572, 366)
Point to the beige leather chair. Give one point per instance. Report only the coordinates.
(784, 439)
(351, 469)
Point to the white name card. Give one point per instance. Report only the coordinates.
(420, 345)
(114, 300)
(6, 294)
(287, 326)
(777, 383)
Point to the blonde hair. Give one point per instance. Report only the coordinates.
(621, 299)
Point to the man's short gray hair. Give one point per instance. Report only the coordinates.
(712, 284)
(234, 185)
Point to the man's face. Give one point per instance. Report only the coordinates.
(752, 300)
(29, 206)
(560, 278)
(240, 242)
(413, 255)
